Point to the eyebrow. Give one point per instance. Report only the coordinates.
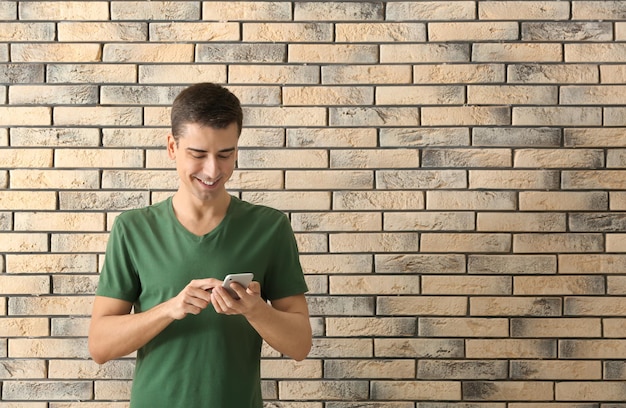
(227, 150)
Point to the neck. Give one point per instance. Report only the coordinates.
(200, 217)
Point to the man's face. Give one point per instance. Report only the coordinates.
(205, 159)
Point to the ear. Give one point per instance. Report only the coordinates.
(171, 147)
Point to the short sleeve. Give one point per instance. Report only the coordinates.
(119, 278)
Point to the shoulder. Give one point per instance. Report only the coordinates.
(144, 215)
(245, 208)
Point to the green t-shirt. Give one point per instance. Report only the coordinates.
(205, 360)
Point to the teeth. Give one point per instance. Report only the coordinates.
(208, 183)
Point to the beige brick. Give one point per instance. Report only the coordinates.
(338, 347)
(262, 137)
(590, 391)
(102, 31)
(424, 264)
(28, 200)
(24, 32)
(58, 221)
(25, 158)
(594, 179)
(285, 159)
(327, 137)
(90, 73)
(128, 52)
(25, 116)
(510, 348)
(87, 242)
(99, 158)
(563, 201)
(49, 306)
(369, 368)
(523, 10)
(600, 222)
(615, 243)
(517, 52)
(282, 368)
(616, 158)
(312, 243)
(378, 200)
(255, 180)
(466, 116)
(54, 137)
(4, 137)
(283, 74)
(328, 95)
(327, 390)
(420, 179)
(380, 32)
(27, 369)
(514, 137)
(466, 285)
(531, 222)
(183, 74)
(370, 326)
(47, 390)
(291, 200)
(558, 285)
(567, 31)
(9, 10)
(53, 95)
(597, 53)
(612, 74)
(470, 200)
(155, 10)
(74, 285)
(340, 306)
(358, 74)
(431, 10)
(50, 263)
(419, 95)
(421, 306)
(259, 95)
(463, 326)
(102, 200)
(58, 179)
(112, 390)
(552, 73)
(97, 116)
(473, 31)
(382, 285)
(424, 53)
(21, 326)
(466, 157)
(23, 242)
(515, 306)
(556, 370)
(56, 52)
(458, 73)
(139, 95)
(246, 10)
(134, 137)
(193, 31)
(77, 369)
(591, 95)
(429, 221)
(287, 32)
(70, 326)
(374, 242)
(592, 264)
(617, 200)
(339, 10)
(605, 10)
(374, 116)
(336, 263)
(593, 137)
(593, 306)
(414, 390)
(241, 53)
(336, 221)
(555, 327)
(286, 116)
(455, 242)
(6, 224)
(593, 349)
(514, 179)
(557, 242)
(458, 369)
(559, 158)
(512, 95)
(64, 10)
(418, 348)
(371, 158)
(512, 264)
(333, 53)
(612, 328)
(508, 390)
(614, 116)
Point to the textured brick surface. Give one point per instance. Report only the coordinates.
(454, 172)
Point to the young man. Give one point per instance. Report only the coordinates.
(196, 345)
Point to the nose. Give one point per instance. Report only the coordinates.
(211, 167)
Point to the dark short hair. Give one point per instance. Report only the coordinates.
(205, 104)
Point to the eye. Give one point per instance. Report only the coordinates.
(224, 156)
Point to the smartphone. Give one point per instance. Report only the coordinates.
(243, 279)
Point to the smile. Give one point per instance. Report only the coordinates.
(206, 183)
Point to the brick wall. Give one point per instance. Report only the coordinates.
(455, 172)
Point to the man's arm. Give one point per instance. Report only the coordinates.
(114, 332)
(284, 324)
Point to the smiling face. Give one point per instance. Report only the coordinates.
(205, 160)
